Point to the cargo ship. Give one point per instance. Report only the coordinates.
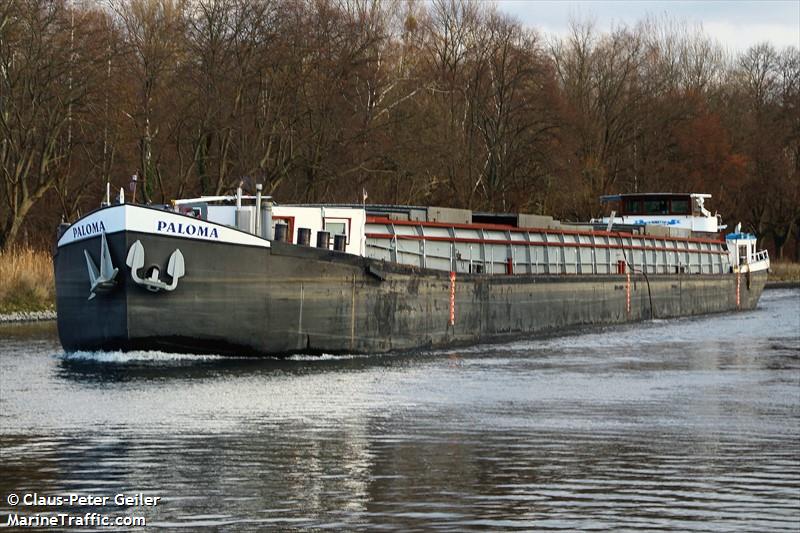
(243, 275)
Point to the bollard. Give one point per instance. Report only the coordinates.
(324, 239)
(340, 242)
(282, 232)
(304, 236)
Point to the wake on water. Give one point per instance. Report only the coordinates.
(160, 357)
(136, 357)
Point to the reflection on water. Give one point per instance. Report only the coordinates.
(677, 425)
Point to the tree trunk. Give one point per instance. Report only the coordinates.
(10, 231)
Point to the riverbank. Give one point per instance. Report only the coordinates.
(783, 275)
(27, 316)
(27, 288)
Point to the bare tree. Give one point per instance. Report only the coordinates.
(514, 113)
(600, 76)
(42, 88)
(154, 31)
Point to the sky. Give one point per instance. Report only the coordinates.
(736, 24)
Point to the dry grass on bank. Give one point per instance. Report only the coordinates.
(26, 280)
(784, 271)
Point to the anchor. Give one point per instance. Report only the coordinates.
(151, 281)
(104, 279)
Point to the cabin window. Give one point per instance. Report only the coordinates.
(196, 211)
(337, 226)
(632, 206)
(656, 207)
(680, 207)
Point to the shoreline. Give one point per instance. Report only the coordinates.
(782, 285)
(21, 317)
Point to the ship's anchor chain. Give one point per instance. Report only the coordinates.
(151, 280)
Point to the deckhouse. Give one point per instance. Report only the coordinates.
(676, 210)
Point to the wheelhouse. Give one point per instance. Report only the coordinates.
(658, 204)
(681, 211)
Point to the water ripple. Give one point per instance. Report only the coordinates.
(658, 426)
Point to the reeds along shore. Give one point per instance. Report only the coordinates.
(781, 271)
(26, 280)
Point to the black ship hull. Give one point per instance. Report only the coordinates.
(247, 300)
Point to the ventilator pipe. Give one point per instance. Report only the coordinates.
(267, 226)
(258, 209)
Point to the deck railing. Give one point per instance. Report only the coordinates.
(761, 255)
(496, 250)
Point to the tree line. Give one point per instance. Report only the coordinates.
(441, 102)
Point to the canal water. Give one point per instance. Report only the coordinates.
(674, 425)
